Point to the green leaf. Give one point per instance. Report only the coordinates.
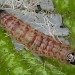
(61, 6)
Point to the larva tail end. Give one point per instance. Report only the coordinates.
(71, 58)
(1, 10)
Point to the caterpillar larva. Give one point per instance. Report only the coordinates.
(37, 41)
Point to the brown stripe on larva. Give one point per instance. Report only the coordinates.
(3, 15)
(3, 19)
(9, 21)
(33, 37)
(14, 26)
(37, 41)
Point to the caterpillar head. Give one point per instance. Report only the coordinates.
(71, 58)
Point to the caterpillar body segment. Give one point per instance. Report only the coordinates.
(40, 43)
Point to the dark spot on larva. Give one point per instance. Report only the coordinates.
(71, 58)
